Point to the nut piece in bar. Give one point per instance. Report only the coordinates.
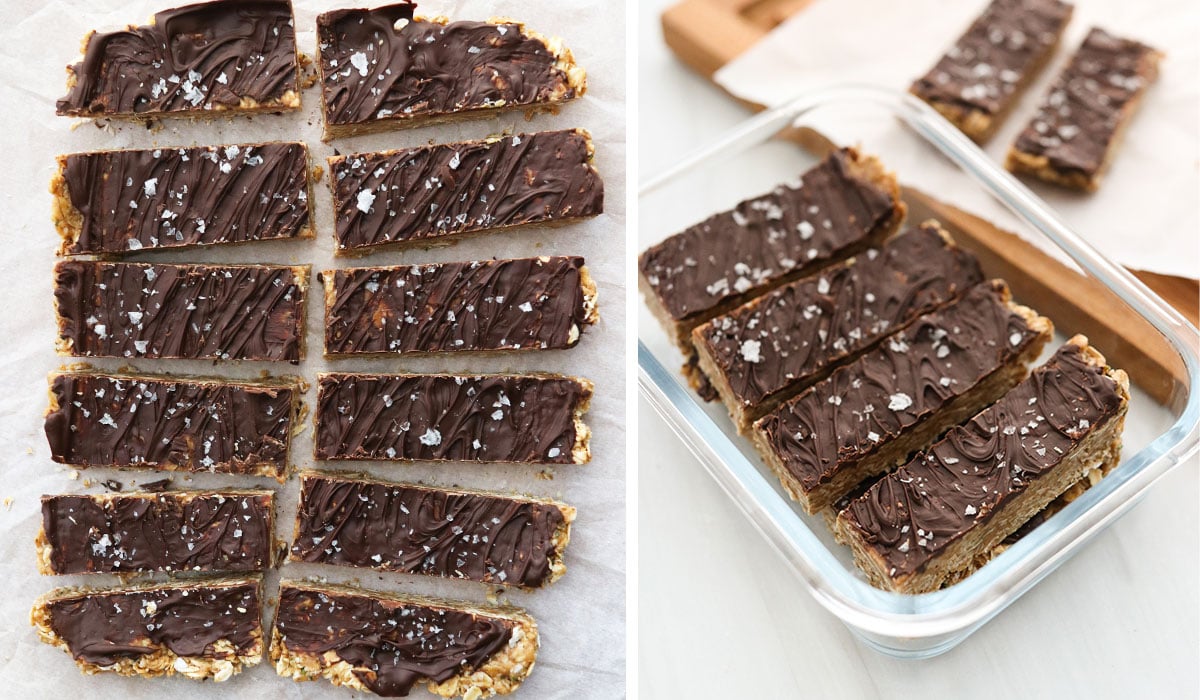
(527, 419)
(98, 419)
(869, 416)
(978, 81)
(387, 643)
(485, 306)
(966, 494)
(207, 531)
(385, 68)
(436, 194)
(207, 629)
(208, 312)
(1077, 129)
(840, 207)
(774, 347)
(115, 202)
(230, 56)
(453, 533)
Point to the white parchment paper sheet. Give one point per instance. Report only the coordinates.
(1146, 213)
(581, 617)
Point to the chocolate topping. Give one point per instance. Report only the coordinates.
(207, 56)
(1089, 102)
(528, 419)
(165, 423)
(901, 383)
(984, 70)
(227, 312)
(431, 192)
(371, 70)
(421, 530)
(911, 515)
(391, 644)
(131, 200)
(522, 304)
(103, 628)
(827, 214)
(789, 337)
(175, 531)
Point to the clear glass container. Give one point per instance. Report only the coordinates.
(1064, 278)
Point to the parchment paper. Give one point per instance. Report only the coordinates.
(1146, 213)
(581, 617)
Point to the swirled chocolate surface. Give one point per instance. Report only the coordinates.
(418, 194)
(496, 418)
(103, 628)
(421, 530)
(391, 644)
(371, 70)
(171, 531)
(825, 215)
(910, 516)
(1089, 102)
(220, 312)
(786, 339)
(905, 380)
(985, 69)
(163, 198)
(521, 304)
(191, 425)
(214, 55)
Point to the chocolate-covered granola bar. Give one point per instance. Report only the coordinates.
(529, 419)
(485, 306)
(870, 415)
(385, 68)
(979, 79)
(430, 194)
(114, 202)
(204, 630)
(1077, 129)
(774, 347)
(840, 207)
(99, 419)
(207, 531)
(228, 56)
(388, 643)
(218, 312)
(971, 490)
(452, 533)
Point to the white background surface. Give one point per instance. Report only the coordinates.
(721, 616)
(581, 618)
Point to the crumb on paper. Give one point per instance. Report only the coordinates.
(546, 475)
(73, 475)
(8, 502)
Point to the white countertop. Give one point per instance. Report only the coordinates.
(722, 616)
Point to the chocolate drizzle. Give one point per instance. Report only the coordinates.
(911, 515)
(227, 312)
(161, 198)
(174, 531)
(207, 56)
(104, 628)
(786, 339)
(371, 71)
(432, 192)
(1088, 103)
(499, 418)
(828, 213)
(522, 304)
(427, 531)
(904, 381)
(164, 423)
(391, 644)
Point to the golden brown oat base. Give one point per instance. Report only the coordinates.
(218, 667)
(499, 675)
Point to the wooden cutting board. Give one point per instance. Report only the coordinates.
(707, 34)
